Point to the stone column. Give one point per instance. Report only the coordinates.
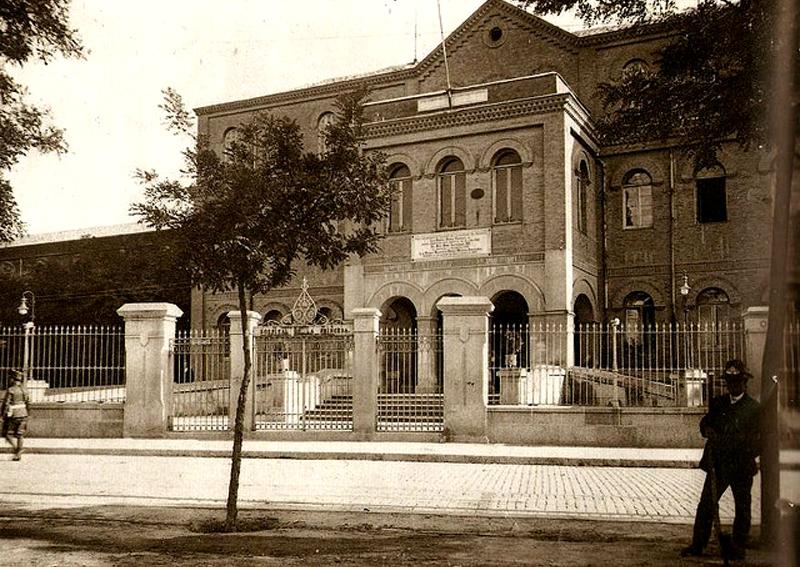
(426, 355)
(366, 371)
(466, 365)
(552, 338)
(237, 366)
(755, 338)
(149, 327)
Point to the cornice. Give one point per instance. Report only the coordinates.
(475, 115)
(307, 93)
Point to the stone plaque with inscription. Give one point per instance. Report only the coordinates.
(452, 244)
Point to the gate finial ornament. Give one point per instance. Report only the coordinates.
(304, 310)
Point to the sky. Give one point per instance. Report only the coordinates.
(210, 52)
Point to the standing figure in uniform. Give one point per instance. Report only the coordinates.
(733, 443)
(15, 413)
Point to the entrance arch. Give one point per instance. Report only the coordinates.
(509, 336)
(398, 330)
(584, 314)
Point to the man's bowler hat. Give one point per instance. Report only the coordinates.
(735, 371)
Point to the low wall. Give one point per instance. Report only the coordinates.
(595, 427)
(83, 420)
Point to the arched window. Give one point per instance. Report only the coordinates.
(583, 196)
(507, 187)
(224, 324)
(712, 203)
(229, 138)
(637, 190)
(452, 182)
(713, 306)
(272, 315)
(634, 67)
(639, 316)
(325, 120)
(400, 209)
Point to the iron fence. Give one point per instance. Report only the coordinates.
(410, 393)
(612, 364)
(789, 384)
(66, 363)
(304, 378)
(202, 387)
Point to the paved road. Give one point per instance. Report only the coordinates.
(612, 493)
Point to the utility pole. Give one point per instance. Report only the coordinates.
(783, 139)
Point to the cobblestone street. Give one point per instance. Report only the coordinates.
(585, 492)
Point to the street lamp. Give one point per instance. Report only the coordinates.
(27, 299)
(685, 289)
(27, 305)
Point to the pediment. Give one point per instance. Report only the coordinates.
(496, 42)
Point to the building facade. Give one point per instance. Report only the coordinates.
(81, 277)
(505, 192)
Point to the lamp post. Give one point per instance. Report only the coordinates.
(685, 289)
(27, 305)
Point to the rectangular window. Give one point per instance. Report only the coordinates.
(400, 208)
(516, 194)
(508, 194)
(638, 206)
(582, 214)
(711, 200)
(501, 195)
(452, 200)
(446, 200)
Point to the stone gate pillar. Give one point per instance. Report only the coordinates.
(755, 337)
(466, 365)
(149, 328)
(366, 371)
(237, 366)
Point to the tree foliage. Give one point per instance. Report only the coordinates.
(249, 214)
(28, 30)
(711, 81)
(244, 217)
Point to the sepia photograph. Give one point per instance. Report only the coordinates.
(400, 282)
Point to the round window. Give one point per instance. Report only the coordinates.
(495, 35)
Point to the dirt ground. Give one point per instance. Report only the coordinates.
(124, 536)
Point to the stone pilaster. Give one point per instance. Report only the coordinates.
(466, 365)
(149, 328)
(366, 324)
(237, 365)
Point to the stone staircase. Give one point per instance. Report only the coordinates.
(336, 409)
(409, 412)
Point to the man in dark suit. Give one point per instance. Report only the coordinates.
(733, 443)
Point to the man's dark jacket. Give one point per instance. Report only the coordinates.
(736, 442)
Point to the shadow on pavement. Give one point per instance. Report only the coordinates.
(122, 536)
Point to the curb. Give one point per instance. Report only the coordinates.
(371, 456)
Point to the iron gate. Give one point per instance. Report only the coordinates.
(303, 375)
(410, 394)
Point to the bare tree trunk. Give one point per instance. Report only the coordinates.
(238, 428)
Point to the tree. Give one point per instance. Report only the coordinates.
(711, 82)
(242, 220)
(27, 30)
(729, 71)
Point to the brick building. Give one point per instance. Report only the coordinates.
(81, 277)
(506, 193)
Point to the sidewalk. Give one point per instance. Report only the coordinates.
(376, 451)
(459, 479)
